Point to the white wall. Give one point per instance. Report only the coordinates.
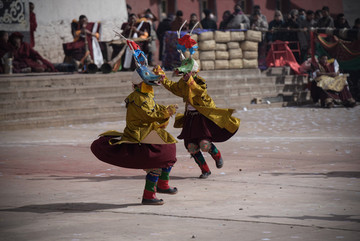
(54, 18)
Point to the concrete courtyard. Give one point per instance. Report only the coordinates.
(289, 174)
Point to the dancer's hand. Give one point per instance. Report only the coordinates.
(172, 109)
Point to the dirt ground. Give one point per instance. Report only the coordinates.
(289, 174)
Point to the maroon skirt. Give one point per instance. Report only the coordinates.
(197, 127)
(136, 156)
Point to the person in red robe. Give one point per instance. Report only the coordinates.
(76, 50)
(4, 50)
(26, 58)
(329, 86)
(139, 30)
(33, 24)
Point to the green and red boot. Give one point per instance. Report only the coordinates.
(200, 160)
(163, 182)
(149, 196)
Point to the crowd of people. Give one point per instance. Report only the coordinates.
(85, 50)
(291, 28)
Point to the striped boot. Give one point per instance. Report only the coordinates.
(200, 160)
(216, 155)
(149, 197)
(163, 183)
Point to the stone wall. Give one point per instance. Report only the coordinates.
(54, 18)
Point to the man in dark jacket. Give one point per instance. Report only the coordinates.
(208, 22)
(164, 25)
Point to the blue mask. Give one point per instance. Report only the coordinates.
(147, 76)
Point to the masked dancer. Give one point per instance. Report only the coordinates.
(202, 123)
(144, 143)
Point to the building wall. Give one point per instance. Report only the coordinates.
(54, 18)
(267, 7)
(351, 10)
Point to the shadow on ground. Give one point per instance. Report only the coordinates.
(68, 207)
(99, 178)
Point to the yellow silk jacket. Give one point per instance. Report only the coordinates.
(145, 122)
(194, 92)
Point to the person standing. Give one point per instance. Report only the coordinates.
(238, 20)
(326, 21)
(341, 21)
(208, 22)
(164, 25)
(194, 20)
(225, 20)
(178, 21)
(33, 24)
(304, 35)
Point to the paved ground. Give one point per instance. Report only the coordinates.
(289, 174)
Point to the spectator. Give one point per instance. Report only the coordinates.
(318, 16)
(276, 23)
(259, 24)
(4, 50)
(341, 21)
(193, 20)
(238, 20)
(26, 58)
(357, 24)
(325, 72)
(304, 36)
(164, 25)
(86, 35)
(302, 15)
(135, 29)
(150, 18)
(128, 8)
(178, 21)
(33, 24)
(208, 22)
(291, 35)
(326, 21)
(4, 45)
(225, 20)
(257, 9)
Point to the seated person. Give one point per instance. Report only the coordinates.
(329, 86)
(139, 30)
(4, 50)
(25, 58)
(82, 48)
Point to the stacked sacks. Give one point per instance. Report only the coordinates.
(207, 46)
(250, 49)
(235, 52)
(228, 50)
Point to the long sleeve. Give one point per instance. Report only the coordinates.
(173, 87)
